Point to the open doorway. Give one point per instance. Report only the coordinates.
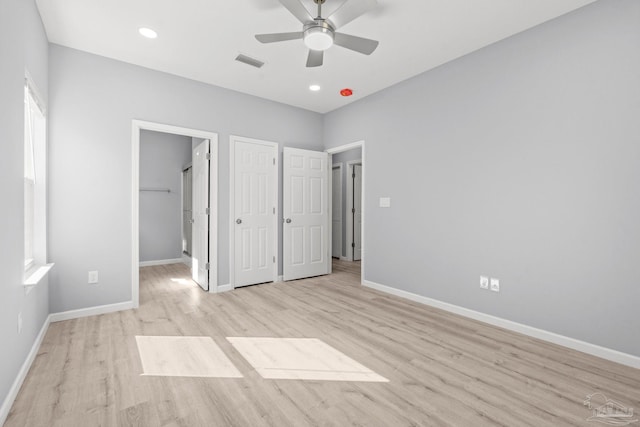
(347, 200)
(160, 156)
(174, 202)
(163, 157)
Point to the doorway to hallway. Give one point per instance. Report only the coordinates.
(348, 208)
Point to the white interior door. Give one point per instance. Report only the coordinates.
(200, 229)
(306, 214)
(357, 212)
(336, 207)
(255, 199)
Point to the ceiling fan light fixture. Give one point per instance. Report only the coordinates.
(318, 38)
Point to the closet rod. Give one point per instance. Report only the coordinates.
(163, 190)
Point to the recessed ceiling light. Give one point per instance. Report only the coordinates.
(314, 88)
(148, 33)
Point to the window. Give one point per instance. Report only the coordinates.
(34, 180)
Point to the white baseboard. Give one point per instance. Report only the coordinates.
(186, 260)
(224, 288)
(22, 374)
(345, 258)
(161, 262)
(585, 347)
(278, 279)
(91, 311)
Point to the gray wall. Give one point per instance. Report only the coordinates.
(344, 157)
(23, 45)
(162, 157)
(520, 161)
(93, 100)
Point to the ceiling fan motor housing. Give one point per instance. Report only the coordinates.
(318, 34)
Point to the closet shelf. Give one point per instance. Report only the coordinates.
(161, 190)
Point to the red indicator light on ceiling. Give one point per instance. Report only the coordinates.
(346, 92)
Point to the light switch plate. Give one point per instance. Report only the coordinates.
(385, 202)
(495, 285)
(484, 282)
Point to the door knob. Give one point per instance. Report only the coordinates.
(288, 220)
(238, 221)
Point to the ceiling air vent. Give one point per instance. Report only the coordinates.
(249, 61)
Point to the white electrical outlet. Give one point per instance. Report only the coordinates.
(93, 277)
(20, 323)
(495, 285)
(484, 282)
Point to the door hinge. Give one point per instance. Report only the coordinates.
(353, 176)
(274, 210)
(206, 266)
(274, 259)
(207, 211)
(274, 160)
(208, 156)
(353, 210)
(353, 245)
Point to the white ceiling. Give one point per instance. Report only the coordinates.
(199, 39)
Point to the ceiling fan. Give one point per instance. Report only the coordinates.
(319, 33)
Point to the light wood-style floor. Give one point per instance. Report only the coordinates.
(443, 369)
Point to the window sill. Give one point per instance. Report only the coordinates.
(35, 276)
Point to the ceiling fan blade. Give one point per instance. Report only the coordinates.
(359, 44)
(315, 58)
(350, 10)
(298, 10)
(278, 37)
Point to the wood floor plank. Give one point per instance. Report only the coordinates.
(443, 369)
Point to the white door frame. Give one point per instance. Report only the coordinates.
(347, 147)
(349, 220)
(136, 127)
(339, 167)
(232, 204)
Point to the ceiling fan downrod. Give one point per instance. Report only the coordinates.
(319, 3)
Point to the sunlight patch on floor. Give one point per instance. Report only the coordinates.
(184, 357)
(301, 359)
